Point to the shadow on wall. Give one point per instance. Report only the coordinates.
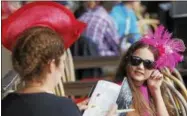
(6, 61)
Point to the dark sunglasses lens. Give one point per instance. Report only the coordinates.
(135, 61)
(149, 64)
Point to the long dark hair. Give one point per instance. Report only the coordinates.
(139, 102)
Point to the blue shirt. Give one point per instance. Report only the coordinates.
(126, 21)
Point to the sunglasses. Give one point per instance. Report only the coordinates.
(136, 61)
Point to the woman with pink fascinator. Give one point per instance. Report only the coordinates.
(141, 66)
(38, 34)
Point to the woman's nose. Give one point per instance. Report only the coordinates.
(141, 66)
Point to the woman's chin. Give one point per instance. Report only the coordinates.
(139, 80)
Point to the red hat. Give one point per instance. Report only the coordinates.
(49, 14)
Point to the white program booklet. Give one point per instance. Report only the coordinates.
(107, 93)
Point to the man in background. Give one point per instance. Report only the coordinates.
(101, 29)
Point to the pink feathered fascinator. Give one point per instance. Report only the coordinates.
(169, 49)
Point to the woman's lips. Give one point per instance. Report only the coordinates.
(139, 73)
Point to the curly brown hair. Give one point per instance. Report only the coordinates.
(34, 49)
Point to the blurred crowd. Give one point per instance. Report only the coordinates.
(112, 26)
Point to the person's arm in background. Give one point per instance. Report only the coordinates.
(116, 19)
(134, 29)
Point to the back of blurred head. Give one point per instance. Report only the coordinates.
(93, 4)
(35, 51)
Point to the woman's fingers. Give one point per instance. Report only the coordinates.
(83, 105)
(156, 75)
(85, 101)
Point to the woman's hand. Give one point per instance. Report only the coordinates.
(83, 105)
(155, 81)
